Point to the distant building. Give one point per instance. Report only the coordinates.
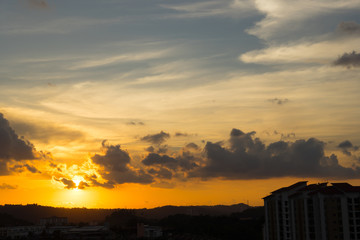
(54, 221)
(146, 231)
(88, 232)
(20, 232)
(315, 211)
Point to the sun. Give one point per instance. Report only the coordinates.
(77, 180)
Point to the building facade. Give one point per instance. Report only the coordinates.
(313, 212)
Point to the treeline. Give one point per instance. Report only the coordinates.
(241, 225)
(33, 213)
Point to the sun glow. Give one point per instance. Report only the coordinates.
(77, 180)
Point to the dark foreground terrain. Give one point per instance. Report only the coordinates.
(170, 222)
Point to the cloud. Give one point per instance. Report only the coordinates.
(56, 26)
(162, 149)
(284, 136)
(46, 132)
(156, 159)
(11, 146)
(279, 101)
(4, 186)
(131, 57)
(38, 4)
(348, 27)
(31, 168)
(116, 167)
(283, 17)
(225, 8)
(135, 123)
(22, 167)
(179, 134)
(192, 146)
(346, 146)
(349, 60)
(158, 149)
(184, 161)
(162, 173)
(53, 165)
(82, 185)
(150, 149)
(248, 157)
(94, 182)
(156, 138)
(69, 184)
(319, 51)
(183, 134)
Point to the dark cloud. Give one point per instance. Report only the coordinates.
(116, 167)
(162, 173)
(236, 132)
(31, 168)
(16, 168)
(114, 159)
(158, 138)
(7, 186)
(279, 101)
(150, 149)
(192, 146)
(185, 161)
(69, 184)
(45, 155)
(349, 27)
(53, 165)
(156, 159)
(162, 149)
(345, 144)
(349, 60)
(159, 149)
(82, 185)
(94, 182)
(22, 167)
(287, 135)
(247, 157)
(284, 136)
(179, 134)
(135, 123)
(3, 168)
(346, 147)
(11, 146)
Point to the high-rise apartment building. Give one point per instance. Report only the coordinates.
(315, 211)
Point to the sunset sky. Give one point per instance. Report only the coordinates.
(144, 103)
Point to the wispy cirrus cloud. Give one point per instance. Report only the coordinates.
(54, 26)
(226, 8)
(321, 52)
(284, 16)
(130, 57)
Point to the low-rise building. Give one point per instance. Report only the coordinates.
(54, 221)
(20, 232)
(147, 231)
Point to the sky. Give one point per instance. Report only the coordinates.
(144, 103)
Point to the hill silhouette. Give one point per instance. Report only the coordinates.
(33, 213)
